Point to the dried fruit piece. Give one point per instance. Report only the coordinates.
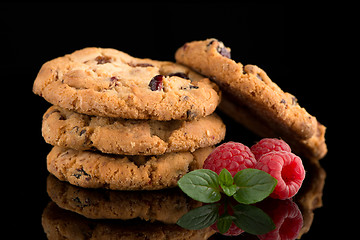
(224, 52)
(179, 74)
(156, 83)
(102, 59)
(140, 65)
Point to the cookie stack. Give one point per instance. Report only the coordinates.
(124, 123)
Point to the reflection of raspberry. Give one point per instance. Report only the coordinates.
(268, 145)
(286, 216)
(231, 155)
(233, 230)
(287, 168)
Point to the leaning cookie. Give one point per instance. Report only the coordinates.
(251, 89)
(116, 172)
(69, 129)
(110, 83)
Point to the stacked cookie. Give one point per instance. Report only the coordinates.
(125, 123)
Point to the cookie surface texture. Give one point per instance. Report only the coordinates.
(250, 87)
(116, 172)
(68, 129)
(111, 83)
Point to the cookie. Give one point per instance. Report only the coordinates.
(110, 83)
(116, 172)
(166, 206)
(250, 88)
(61, 224)
(68, 129)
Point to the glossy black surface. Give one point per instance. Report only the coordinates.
(286, 41)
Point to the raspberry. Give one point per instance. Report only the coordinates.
(287, 168)
(268, 145)
(231, 155)
(286, 216)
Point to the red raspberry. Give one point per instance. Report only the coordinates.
(268, 145)
(287, 168)
(231, 155)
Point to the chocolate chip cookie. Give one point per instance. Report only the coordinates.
(69, 129)
(110, 83)
(250, 92)
(117, 172)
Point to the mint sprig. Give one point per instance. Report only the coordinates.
(248, 186)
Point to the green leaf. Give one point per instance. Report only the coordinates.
(224, 223)
(227, 182)
(252, 219)
(201, 185)
(200, 217)
(253, 185)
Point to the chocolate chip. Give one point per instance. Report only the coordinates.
(80, 204)
(179, 74)
(80, 172)
(193, 87)
(82, 132)
(283, 101)
(224, 52)
(140, 65)
(113, 82)
(190, 114)
(259, 77)
(102, 59)
(293, 100)
(156, 83)
(209, 44)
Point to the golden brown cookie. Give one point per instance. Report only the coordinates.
(61, 224)
(251, 90)
(166, 205)
(68, 129)
(107, 82)
(116, 172)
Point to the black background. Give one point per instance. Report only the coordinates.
(294, 44)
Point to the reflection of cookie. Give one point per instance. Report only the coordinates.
(61, 224)
(96, 170)
(110, 83)
(251, 89)
(66, 128)
(163, 205)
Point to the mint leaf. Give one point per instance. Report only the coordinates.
(224, 223)
(200, 217)
(253, 185)
(201, 185)
(227, 182)
(252, 219)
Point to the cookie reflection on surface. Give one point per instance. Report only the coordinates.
(62, 224)
(164, 205)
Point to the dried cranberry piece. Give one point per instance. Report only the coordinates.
(102, 59)
(156, 83)
(224, 52)
(140, 65)
(179, 74)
